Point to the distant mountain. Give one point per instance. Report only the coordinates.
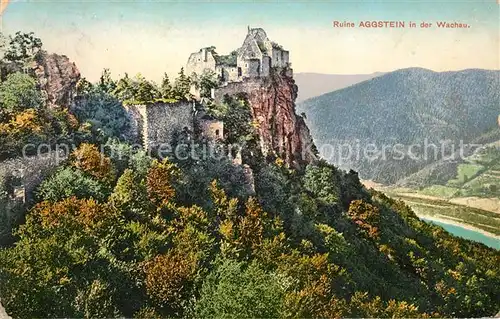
(408, 109)
(316, 84)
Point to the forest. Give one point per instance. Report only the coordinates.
(123, 233)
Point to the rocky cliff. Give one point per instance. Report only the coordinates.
(282, 132)
(57, 76)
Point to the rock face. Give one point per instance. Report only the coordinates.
(58, 77)
(282, 132)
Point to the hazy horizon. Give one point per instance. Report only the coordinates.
(156, 37)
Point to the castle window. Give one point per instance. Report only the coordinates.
(239, 71)
(217, 133)
(246, 65)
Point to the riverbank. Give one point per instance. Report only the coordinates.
(448, 221)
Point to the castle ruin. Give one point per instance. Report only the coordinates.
(247, 71)
(253, 59)
(159, 123)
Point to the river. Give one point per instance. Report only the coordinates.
(468, 234)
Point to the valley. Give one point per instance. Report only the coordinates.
(451, 116)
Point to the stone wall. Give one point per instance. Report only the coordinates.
(266, 66)
(200, 61)
(212, 129)
(29, 171)
(252, 68)
(285, 58)
(280, 58)
(137, 115)
(158, 123)
(228, 73)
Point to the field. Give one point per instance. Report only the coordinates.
(479, 177)
(428, 206)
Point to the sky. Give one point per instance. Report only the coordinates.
(153, 37)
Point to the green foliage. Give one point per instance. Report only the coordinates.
(125, 89)
(148, 250)
(22, 48)
(237, 117)
(272, 188)
(106, 83)
(407, 107)
(146, 91)
(237, 289)
(19, 92)
(323, 182)
(208, 81)
(139, 90)
(104, 114)
(130, 194)
(181, 87)
(125, 156)
(90, 160)
(230, 59)
(68, 182)
(166, 90)
(185, 239)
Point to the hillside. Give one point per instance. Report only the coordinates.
(409, 107)
(117, 232)
(475, 163)
(316, 84)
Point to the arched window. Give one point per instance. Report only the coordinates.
(217, 132)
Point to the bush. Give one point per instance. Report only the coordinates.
(237, 290)
(68, 182)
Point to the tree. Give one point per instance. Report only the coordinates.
(103, 114)
(68, 263)
(366, 216)
(208, 81)
(323, 181)
(125, 89)
(166, 90)
(168, 278)
(160, 179)
(68, 182)
(130, 195)
(84, 87)
(22, 48)
(239, 290)
(19, 92)
(146, 92)
(106, 83)
(244, 235)
(182, 86)
(237, 117)
(89, 159)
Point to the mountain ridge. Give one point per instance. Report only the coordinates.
(407, 106)
(313, 84)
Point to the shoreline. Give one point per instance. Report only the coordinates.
(455, 223)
